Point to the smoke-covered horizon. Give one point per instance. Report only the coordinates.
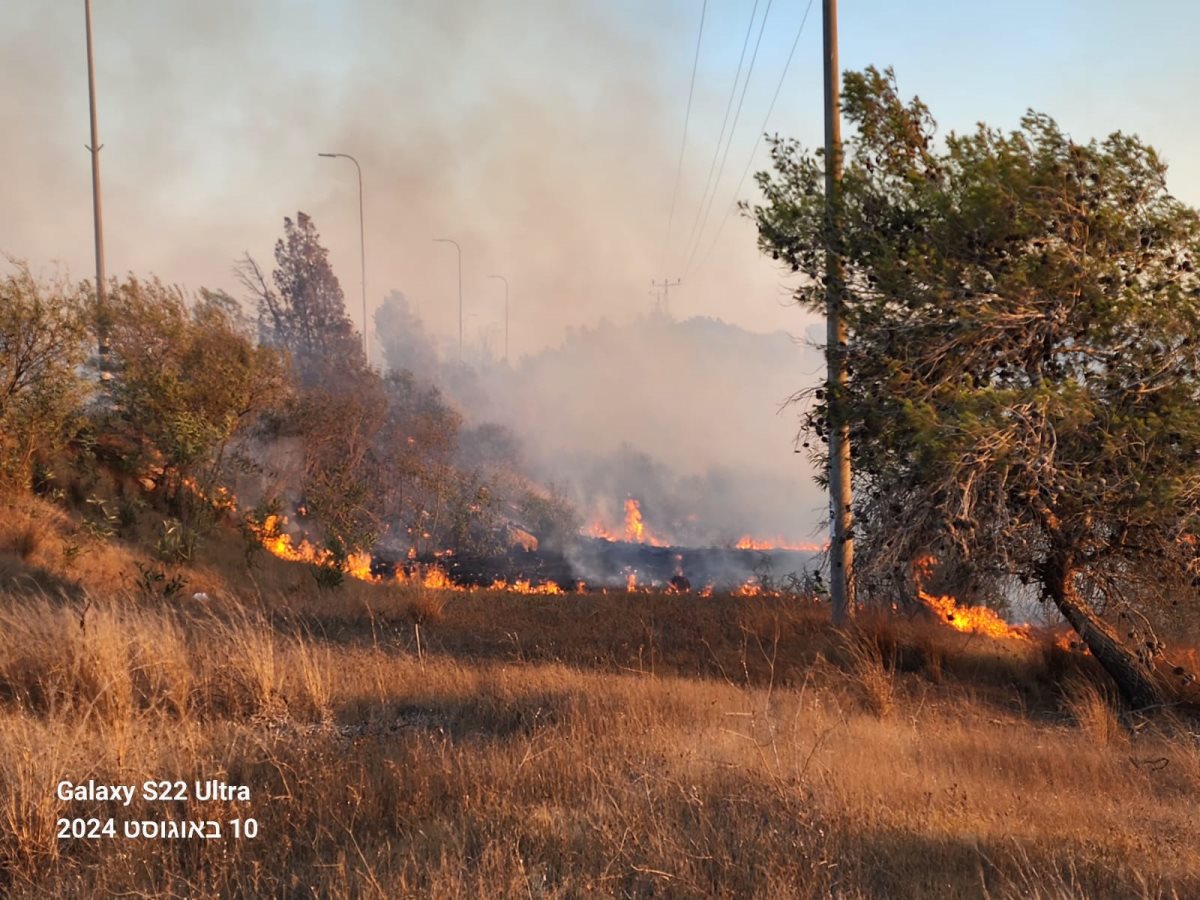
(541, 136)
(690, 419)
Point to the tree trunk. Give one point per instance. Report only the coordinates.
(1137, 684)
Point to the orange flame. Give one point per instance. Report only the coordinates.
(635, 527)
(749, 543)
(597, 530)
(358, 565)
(221, 499)
(280, 543)
(433, 577)
(524, 586)
(754, 588)
(974, 619)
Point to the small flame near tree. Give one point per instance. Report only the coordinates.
(978, 619)
(972, 619)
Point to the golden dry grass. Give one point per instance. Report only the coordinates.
(554, 747)
(504, 775)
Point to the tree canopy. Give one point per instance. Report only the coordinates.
(1024, 393)
(303, 309)
(43, 343)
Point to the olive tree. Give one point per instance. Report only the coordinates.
(1024, 393)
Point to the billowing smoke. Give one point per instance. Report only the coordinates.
(686, 419)
(541, 135)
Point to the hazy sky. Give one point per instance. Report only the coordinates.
(542, 134)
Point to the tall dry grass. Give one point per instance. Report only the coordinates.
(554, 747)
(634, 748)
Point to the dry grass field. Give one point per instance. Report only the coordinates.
(627, 745)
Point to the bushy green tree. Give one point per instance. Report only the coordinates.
(186, 382)
(43, 344)
(1025, 359)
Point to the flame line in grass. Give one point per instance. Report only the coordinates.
(746, 542)
(358, 565)
(981, 619)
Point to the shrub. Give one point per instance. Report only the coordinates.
(43, 338)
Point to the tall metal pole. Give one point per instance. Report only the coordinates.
(665, 306)
(841, 551)
(362, 245)
(505, 280)
(460, 302)
(97, 214)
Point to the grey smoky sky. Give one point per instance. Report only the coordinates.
(541, 134)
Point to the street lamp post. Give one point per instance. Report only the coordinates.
(505, 280)
(97, 215)
(460, 300)
(362, 244)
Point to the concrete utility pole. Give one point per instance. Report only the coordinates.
(841, 549)
(97, 215)
(460, 303)
(666, 285)
(505, 280)
(362, 244)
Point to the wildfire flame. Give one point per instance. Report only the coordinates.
(598, 530)
(749, 543)
(755, 588)
(976, 619)
(635, 527)
(523, 586)
(221, 499)
(358, 565)
(279, 543)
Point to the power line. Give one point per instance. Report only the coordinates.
(729, 141)
(664, 296)
(725, 122)
(761, 131)
(686, 119)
